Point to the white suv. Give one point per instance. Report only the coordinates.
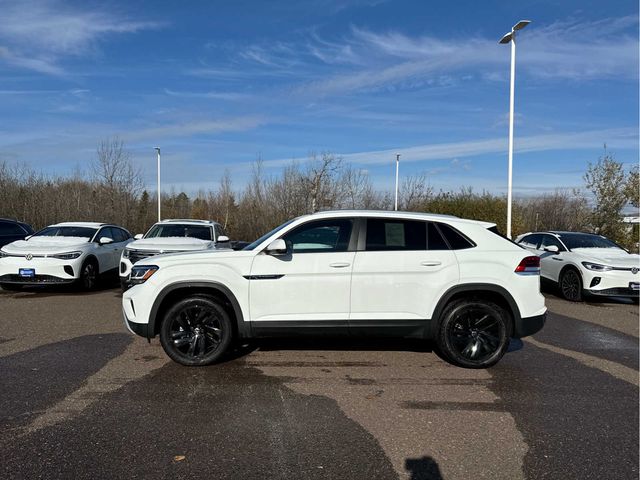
(63, 253)
(172, 236)
(585, 263)
(348, 272)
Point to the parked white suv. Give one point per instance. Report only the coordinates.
(585, 263)
(172, 236)
(357, 272)
(63, 253)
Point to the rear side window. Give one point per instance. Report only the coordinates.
(435, 240)
(388, 234)
(455, 239)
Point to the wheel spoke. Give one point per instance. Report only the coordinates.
(192, 346)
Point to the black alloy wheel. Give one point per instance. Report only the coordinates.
(571, 285)
(474, 333)
(196, 331)
(88, 275)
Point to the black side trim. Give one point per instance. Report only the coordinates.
(529, 325)
(359, 328)
(390, 328)
(244, 328)
(474, 287)
(141, 329)
(263, 277)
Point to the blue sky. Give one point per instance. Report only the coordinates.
(218, 83)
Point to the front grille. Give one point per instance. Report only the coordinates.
(38, 279)
(137, 255)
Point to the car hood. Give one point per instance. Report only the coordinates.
(171, 244)
(608, 256)
(46, 245)
(196, 256)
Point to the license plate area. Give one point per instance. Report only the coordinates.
(27, 272)
(634, 286)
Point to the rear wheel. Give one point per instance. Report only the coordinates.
(196, 331)
(571, 285)
(474, 333)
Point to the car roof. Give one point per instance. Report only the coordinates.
(559, 233)
(397, 214)
(189, 221)
(80, 224)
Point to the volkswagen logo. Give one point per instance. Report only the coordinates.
(29, 256)
(635, 270)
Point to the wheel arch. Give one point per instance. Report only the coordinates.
(90, 258)
(173, 292)
(485, 291)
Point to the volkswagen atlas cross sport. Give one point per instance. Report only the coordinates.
(584, 263)
(171, 236)
(63, 253)
(442, 278)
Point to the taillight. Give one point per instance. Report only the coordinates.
(529, 265)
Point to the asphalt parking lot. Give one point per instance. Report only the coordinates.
(82, 398)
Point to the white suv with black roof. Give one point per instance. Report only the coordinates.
(416, 275)
(171, 236)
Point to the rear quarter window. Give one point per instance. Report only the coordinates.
(455, 239)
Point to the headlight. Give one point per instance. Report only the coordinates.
(125, 253)
(142, 273)
(67, 256)
(596, 267)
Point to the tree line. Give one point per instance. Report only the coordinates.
(113, 191)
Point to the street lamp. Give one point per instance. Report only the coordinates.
(397, 170)
(511, 38)
(158, 150)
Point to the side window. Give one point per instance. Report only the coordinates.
(455, 239)
(321, 236)
(435, 240)
(391, 234)
(121, 235)
(548, 240)
(108, 232)
(219, 231)
(7, 228)
(531, 241)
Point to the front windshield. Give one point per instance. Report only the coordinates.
(180, 230)
(253, 245)
(585, 240)
(84, 232)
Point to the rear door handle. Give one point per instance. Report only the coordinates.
(432, 263)
(339, 264)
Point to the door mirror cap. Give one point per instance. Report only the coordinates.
(552, 249)
(277, 247)
(222, 239)
(138, 236)
(105, 240)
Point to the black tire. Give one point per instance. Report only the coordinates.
(88, 275)
(473, 333)
(570, 285)
(10, 287)
(196, 331)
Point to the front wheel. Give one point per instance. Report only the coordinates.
(571, 285)
(88, 275)
(196, 331)
(474, 333)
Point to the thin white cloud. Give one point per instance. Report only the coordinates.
(212, 95)
(37, 33)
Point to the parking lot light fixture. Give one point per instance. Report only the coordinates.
(159, 200)
(510, 37)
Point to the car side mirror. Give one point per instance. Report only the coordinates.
(552, 249)
(222, 239)
(138, 236)
(105, 240)
(277, 247)
(28, 237)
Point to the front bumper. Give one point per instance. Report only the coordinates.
(140, 329)
(47, 270)
(615, 283)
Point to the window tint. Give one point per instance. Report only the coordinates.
(219, 231)
(84, 232)
(390, 234)
(321, 236)
(435, 241)
(455, 239)
(586, 240)
(7, 228)
(178, 230)
(106, 232)
(120, 235)
(531, 241)
(548, 240)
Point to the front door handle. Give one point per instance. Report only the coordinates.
(430, 263)
(339, 264)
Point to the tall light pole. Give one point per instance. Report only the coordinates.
(397, 170)
(159, 200)
(511, 38)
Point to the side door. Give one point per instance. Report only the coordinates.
(108, 255)
(400, 270)
(311, 283)
(551, 263)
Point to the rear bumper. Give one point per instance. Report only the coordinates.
(529, 325)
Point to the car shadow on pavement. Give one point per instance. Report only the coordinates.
(425, 468)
